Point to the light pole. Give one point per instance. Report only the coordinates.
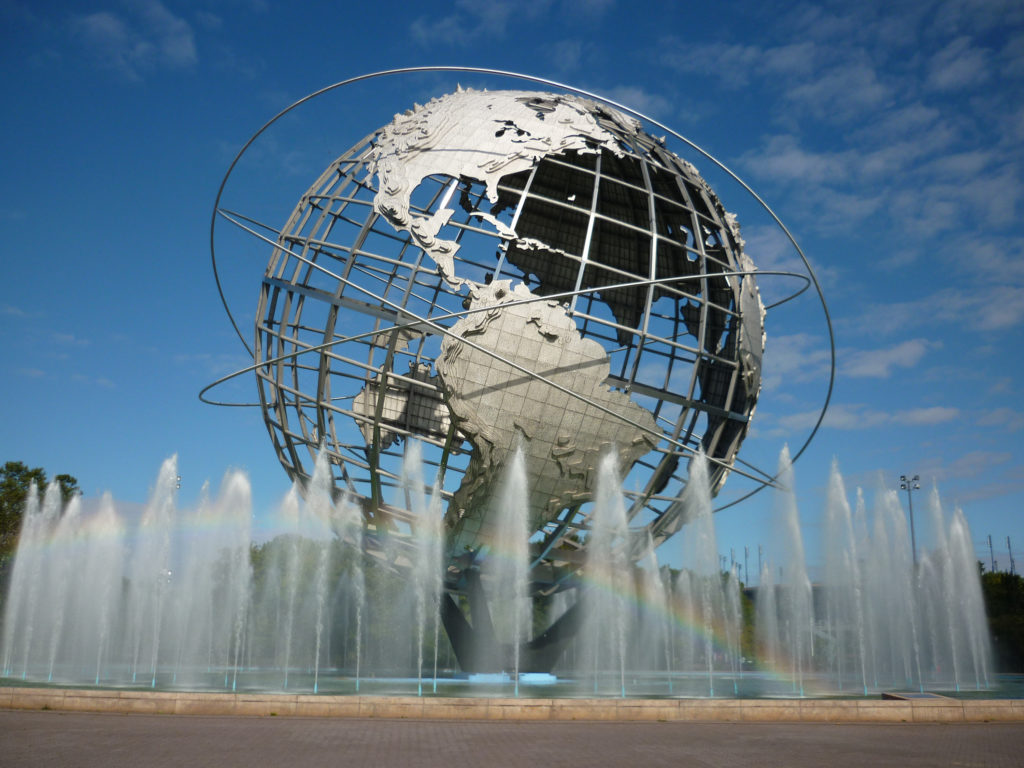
(913, 484)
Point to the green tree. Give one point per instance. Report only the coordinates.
(15, 480)
(1004, 604)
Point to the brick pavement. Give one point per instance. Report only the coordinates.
(85, 740)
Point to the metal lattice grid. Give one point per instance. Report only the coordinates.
(342, 282)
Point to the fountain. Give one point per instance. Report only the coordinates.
(891, 622)
(700, 552)
(428, 568)
(794, 624)
(652, 622)
(844, 587)
(184, 599)
(609, 585)
(877, 621)
(507, 567)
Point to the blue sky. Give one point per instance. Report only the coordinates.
(890, 142)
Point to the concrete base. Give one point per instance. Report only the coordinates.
(940, 710)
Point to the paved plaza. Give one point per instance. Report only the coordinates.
(55, 739)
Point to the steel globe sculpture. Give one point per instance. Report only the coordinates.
(503, 271)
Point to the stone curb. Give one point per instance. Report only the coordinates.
(623, 710)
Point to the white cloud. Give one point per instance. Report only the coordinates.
(212, 365)
(998, 259)
(824, 25)
(959, 65)
(172, 35)
(854, 416)
(898, 258)
(782, 159)
(839, 416)
(69, 340)
(109, 38)
(473, 21)
(566, 54)
(995, 196)
(842, 93)
(771, 250)
(940, 201)
(793, 59)
(149, 37)
(769, 247)
(209, 20)
(842, 211)
(1011, 482)
(450, 30)
(1006, 418)
(913, 159)
(797, 357)
(919, 417)
(96, 381)
(1001, 386)
(735, 65)
(960, 165)
(999, 308)
(642, 101)
(1012, 56)
(987, 306)
(951, 16)
(587, 8)
(857, 416)
(828, 186)
(905, 125)
(970, 464)
(879, 363)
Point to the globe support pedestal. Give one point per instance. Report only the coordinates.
(476, 647)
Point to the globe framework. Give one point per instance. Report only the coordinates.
(497, 270)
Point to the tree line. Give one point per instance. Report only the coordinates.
(1004, 606)
(16, 478)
